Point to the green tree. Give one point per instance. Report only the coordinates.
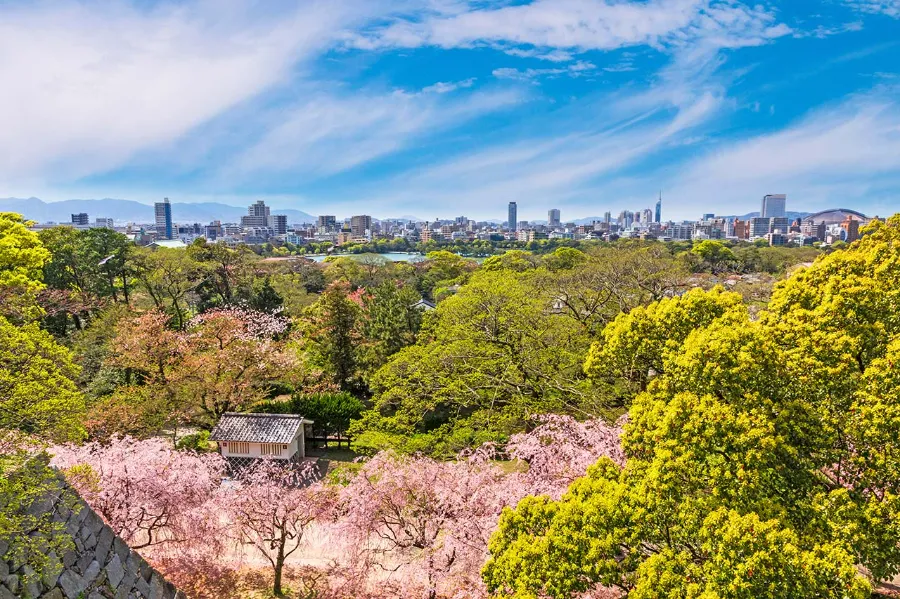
(488, 358)
(170, 277)
(22, 257)
(391, 321)
(331, 335)
(760, 458)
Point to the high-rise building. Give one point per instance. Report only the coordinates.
(779, 224)
(658, 215)
(278, 222)
(553, 219)
(773, 205)
(626, 219)
(257, 215)
(647, 216)
(360, 225)
(607, 218)
(513, 215)
(80, 219)
(163, 212)
(741, 229)
(105, 223)
(759, 226)
(326, 223)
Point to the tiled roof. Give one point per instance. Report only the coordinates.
(258, 428)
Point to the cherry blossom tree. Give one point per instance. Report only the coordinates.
(271, 506)
(425, 519)
(560, 449)
(146, 491)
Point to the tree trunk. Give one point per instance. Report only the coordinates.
(279, 567)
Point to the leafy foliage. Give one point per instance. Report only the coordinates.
(757, 459)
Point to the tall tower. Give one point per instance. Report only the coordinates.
(773, 206)
(512, 217)
(659, 208)
(163, 212)
(553, 217)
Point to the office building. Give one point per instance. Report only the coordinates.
(80, 219)
(553, 219)
(647, 216)
(360, 225)
(257, 215)
(759, 226)
(607, 218)
(779, 224)
(163, 212)
(658, 215)
(326, 223)
(773, 206)
(513, 214)
(104, 223)
(278, 223)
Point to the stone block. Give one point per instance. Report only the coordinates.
(90, 542)
(4, 547)
(121, 549)
(142, 587)
(5, 594)
(83, 562)
(96, 595)
(53, 594)
(91, 573)
(52, 571)
(69, 558)
(146, 570)
(33, 588)
(12, 583)
(114, 571)
(157, 586)
(94, 523)
(4, 569)
(104, 543)
(71, 584)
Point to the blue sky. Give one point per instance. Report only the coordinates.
(439, 108)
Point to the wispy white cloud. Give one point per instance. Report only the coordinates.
(890, 8)
(833, 156)
(576, 69)
(328, 133)
(88, 85)
(580, 25)
(821, 32)
(444, 87)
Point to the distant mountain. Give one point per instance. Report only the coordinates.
(790, 215)
(130, 211)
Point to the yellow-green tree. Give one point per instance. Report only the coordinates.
(762, 457)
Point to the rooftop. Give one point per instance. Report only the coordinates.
(258, 428)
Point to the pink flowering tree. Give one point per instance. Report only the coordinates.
(560, 449)
(271, 506)
(149, 493)
(429, 521)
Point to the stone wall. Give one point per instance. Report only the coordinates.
(100, 566)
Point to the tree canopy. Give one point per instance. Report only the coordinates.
(760, 457)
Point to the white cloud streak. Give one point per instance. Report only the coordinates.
(890, 8)
(580, 25)
(89, 85)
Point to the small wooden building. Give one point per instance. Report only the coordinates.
(244, 438)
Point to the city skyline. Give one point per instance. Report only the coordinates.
(350, 107)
